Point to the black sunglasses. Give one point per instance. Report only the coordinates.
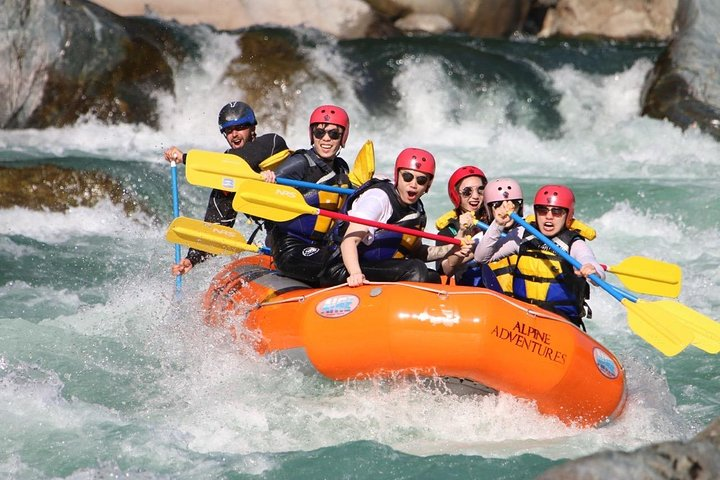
(468, 191)
(557, 212)
(420, 179)
(334, 134)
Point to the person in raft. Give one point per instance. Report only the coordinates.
(466, 188)
(374, 254)
(300, 247)
(237, 123)
(540, 276)
(497, 273)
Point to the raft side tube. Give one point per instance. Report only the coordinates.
(483, 336)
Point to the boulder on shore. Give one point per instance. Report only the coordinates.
(684, 85)
(697, 459)
(63, 59)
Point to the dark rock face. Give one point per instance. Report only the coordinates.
(697, 459)
(272, 68)
(57, 189)
(86, 60)
(683, 86)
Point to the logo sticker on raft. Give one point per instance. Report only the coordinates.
(605, 364)
(337, 306)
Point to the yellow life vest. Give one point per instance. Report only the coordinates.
(444, 219)
(504, 268)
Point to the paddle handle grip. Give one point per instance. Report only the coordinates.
(595, 278)
(386, 226)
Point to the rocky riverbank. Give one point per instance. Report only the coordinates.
(71, 58)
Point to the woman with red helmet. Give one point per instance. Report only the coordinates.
(466, 188)
(374, 254)
(300, 246)
(540, 276)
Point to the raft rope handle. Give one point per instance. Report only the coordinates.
(301, 298)
(439, 293)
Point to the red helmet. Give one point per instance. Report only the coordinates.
(500, 190)
(557, 196)
(416, 159)
(331, 114)
(458, 176)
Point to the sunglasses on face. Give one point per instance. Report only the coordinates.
(420, 179)
(557, 212)
(494, 205)
(334, 134)
(468, 191)
(235, 128)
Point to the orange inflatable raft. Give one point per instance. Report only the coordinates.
(470, 335)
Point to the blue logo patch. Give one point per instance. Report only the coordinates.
(337, 306)
(605, 364)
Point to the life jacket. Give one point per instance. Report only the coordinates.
(498, 275)
(469, 273)
(387, 244)
(543, 278)
(315, 229)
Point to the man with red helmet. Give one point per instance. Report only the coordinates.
(300, 246)
(375, 254)
(540, 276)
(466, 188)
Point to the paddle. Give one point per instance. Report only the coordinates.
(280, 203)
(648, 276)
(209, 237)
(222, 171)
(364, 166)
(664, 324)
(176, 214)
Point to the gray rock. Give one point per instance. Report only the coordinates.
(684, 85)
(697, 459)
(63, 59)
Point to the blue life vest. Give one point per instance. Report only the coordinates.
(316, 229)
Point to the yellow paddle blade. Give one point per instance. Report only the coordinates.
(275, 160)
(217, 170)
(705, 329)
(657, 327)
(649, 276)
(364, 166)
(278, 203)
(208, 237)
